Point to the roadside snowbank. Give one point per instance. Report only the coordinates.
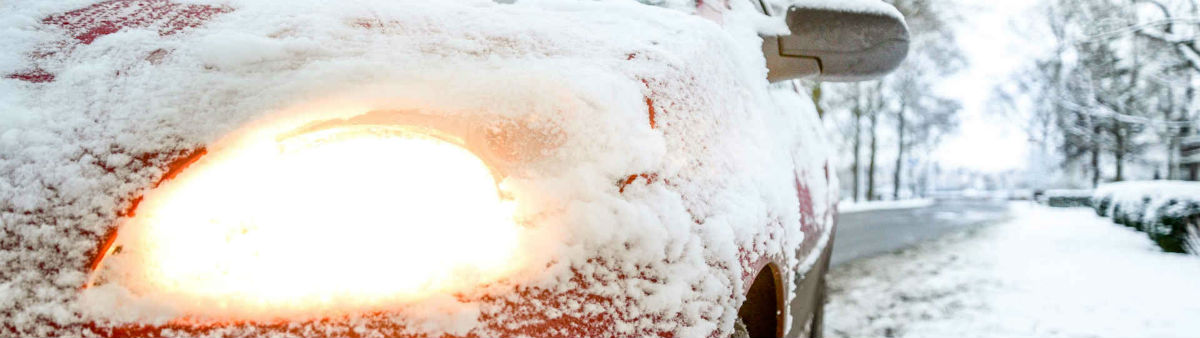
(851, 206)
(1047, 273)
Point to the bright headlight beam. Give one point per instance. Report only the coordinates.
(337, 221)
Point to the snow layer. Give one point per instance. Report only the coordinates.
(856, 6)
(1048, 273)
(715, 158)
(848, 206)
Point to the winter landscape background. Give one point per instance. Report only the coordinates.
(1024, 94)
(1025, 173)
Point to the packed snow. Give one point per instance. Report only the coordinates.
(1050, 272)
(848, 206)
(91, 118)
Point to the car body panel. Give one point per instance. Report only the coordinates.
(677, 109)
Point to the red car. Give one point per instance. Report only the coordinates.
(471, 168)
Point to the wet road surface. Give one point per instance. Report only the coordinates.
(869, 233)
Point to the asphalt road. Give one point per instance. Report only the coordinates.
(870, 233)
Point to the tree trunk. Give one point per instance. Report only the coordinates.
(899, 154)
(1171, 134)
(874, 117)
(1119, 130)
(857, 132)
(1119, 152)
(1172, 160)
(816, 97)
(1095, 156)
(1185, 113)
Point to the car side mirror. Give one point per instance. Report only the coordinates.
(838, 41)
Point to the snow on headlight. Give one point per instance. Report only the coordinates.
(330, 222)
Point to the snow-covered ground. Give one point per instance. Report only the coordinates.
(1048, 272)
(851, 206)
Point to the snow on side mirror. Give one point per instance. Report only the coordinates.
(838, 41)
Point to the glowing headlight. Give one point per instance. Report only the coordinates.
(350, 218)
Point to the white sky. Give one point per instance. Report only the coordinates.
(994, 48)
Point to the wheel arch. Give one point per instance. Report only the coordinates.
(765, 307)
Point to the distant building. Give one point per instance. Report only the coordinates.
(1189, 158)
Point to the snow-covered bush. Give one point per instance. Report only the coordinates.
(1066, 197)
(1101, 203)
(1168, 211)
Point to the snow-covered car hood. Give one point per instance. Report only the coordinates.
(660, 145)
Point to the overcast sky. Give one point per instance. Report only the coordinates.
(995, 45)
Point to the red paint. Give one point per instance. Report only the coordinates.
(649, 177)
(807, 215)
(650, 103)
(173, 169)
(36, 75)
(649, 100)
(177, 166)
(83, 26)
(808, 219)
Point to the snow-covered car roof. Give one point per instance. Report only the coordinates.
(92, 114)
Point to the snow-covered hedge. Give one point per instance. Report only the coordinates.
(1066, 197)
(1168, 211)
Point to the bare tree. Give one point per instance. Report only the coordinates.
(921, 115)
(906, 98)
(1117, 82)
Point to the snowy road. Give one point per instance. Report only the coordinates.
(1047, 272)
(869, 233)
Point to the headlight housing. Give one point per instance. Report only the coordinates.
(337, 220)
